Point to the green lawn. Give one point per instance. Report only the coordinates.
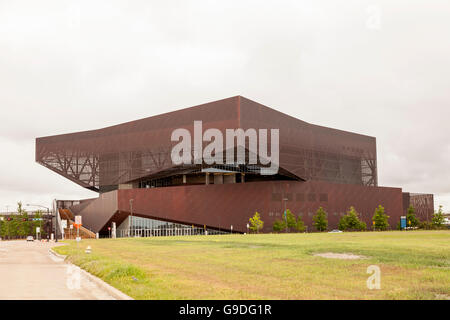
(414, 265)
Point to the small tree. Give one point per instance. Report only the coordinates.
(12, 227)
(2, 228)
(351, 221)
(256, 223)
(279, 226)
(411, 218)
(300, 226)
(380, 218)
(291, 222)
(24, 226)
(438, 218)
(296, 224)
(320, 220)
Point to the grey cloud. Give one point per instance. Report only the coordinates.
(78, 65)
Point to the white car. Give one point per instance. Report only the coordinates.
(30, 238)
(335, 231)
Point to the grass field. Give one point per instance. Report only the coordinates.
(414, 265)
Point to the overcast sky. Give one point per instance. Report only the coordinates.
(380, 68)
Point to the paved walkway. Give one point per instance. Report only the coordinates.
(29, 272)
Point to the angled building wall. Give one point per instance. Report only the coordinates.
(319, 166)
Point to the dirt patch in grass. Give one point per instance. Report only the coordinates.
(342, 256)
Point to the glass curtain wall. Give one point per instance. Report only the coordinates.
(146, 227)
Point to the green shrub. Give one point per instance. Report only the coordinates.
(426, 225)
(279, 226)
(380, 219)
(438, 219)
(351, 222)
(300, 226)
(291, 222)
(256, 223)
(411, 219)
(320, 221)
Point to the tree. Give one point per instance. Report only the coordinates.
(438, 218)
(320, 220)
(256, 223)
(411, 218)
(24, 226)
(296, 224)
(2, 228)
(12, 227)
(279, 226)
(351, 221)
(300, 226)
(291, 222)
(380, 218)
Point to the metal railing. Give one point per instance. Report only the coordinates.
(166, 232)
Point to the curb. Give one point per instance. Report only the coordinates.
(57, 254)
(117, 294)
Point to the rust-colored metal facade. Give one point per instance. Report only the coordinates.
(422, 203)
(319, 166)
(220, 206)
(102, 159)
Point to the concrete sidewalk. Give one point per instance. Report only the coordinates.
(29, 272)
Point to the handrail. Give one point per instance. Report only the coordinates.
(86, 230)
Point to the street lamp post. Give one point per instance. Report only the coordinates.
(131, 215)
(285, 213)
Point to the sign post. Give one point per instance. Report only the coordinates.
(403, 222)
(38, 231)
(78, 225)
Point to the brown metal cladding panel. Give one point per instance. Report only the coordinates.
(422, 203)
(129, 151)
(315, 152)
(136, 149)
(96, 214)
(220, 206)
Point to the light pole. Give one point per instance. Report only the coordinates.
(285, 213)
(40, 222)
(131, 215)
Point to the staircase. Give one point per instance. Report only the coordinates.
(85, 233)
